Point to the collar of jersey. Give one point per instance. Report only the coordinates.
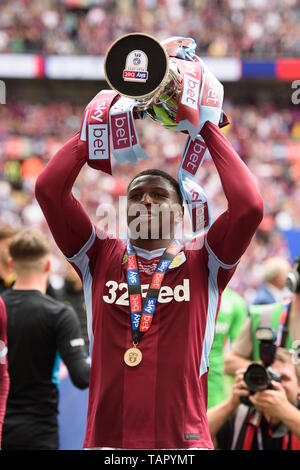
(146, 254)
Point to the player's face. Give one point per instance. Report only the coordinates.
(153, 208)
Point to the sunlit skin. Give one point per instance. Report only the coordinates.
(5, 266)
(150, 193)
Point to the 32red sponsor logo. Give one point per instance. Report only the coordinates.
(117, 293)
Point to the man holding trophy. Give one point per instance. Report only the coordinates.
(152, 302)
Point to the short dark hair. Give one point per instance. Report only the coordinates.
(29, 245)
(162, 174)
(7, 231)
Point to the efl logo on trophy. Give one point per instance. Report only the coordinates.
(136, 67)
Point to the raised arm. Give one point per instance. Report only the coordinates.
(70, 345)
(231, 233)
(67, 220)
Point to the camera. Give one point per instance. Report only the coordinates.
(259, 376)
(293, 278)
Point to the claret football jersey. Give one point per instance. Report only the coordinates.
(160, 403)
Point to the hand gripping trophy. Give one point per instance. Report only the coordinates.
(168, 83)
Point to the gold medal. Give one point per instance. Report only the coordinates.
(133, 356)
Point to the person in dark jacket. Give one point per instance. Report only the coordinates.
(40, 332)
(71, 293)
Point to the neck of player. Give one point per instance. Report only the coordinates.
(150, 245)
(31, 282)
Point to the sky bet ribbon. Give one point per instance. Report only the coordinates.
(142, 315)
(95, 130)
(125, 142)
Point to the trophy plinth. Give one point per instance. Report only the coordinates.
(136, 66)
(168, 83)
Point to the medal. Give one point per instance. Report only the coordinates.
(141, 316)
(133, 356)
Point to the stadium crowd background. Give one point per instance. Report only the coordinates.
(265, 133)
(40, 115)
(255, 28)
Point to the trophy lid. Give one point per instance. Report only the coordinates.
(136, 65)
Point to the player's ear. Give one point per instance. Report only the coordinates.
(11, 263)
(47, 266)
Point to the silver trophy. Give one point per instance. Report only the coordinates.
(140, 67)
(167, 82)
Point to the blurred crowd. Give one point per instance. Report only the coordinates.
(267, 139)
(238, 28)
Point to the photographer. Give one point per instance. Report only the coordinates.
(269, 419)
(284, 318)
(7, 276)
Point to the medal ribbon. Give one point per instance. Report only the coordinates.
(142, 315)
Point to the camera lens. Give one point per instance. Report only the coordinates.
(256, 377)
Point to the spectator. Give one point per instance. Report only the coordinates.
(6, 273)
(273, 290)
(4, 377)
(278, 406)
(283, 318)
(236, 426)
(231, 28)
(265, 136)
(231, 316)
(37, 328)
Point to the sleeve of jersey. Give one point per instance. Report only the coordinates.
(70, 225)
(70, 345)
(230, 235)
(4, 377)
